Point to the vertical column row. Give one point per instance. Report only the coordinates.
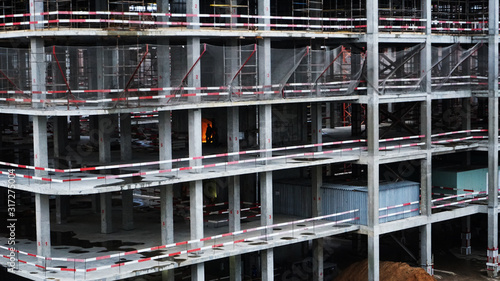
(492, 252)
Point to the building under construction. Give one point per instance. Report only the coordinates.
(245, 139)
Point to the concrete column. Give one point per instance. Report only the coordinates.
(60, 126)
(40, 144)
(128, 209)
(37, 66)
(317, 182)
(372, 62)
(105, 129)
(22, 123)
(466, 236)
(492, 252)
(167, 215)
(75, 128)
(316, 124)
(195, 145)
(426, 130)
(62, 208)
(167, 223)
(165, 138)
(267, 264)
(42, 212)
(233, 145)
(94, 130)
(196, 224)
(164, 68)
(36, 7)
(125, 137)
(106, 213)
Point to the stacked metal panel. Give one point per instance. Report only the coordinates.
(344, 197)
(292, 197)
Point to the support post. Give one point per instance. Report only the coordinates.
(75, 129)
(42, 212)
(105, 129)
(62, 208)
(106, 213)
(60, 126)
(317, 210)
(372, 62)
(466, 236)
(125, 136)
(40, 148)
(128, 209)
(492, 251)
(426, 130)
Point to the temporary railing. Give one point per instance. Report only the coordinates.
(106, 262)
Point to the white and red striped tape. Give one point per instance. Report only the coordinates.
(458, 195)
(212, 238)
(399, 213)
(398, 206)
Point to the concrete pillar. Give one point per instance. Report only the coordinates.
(42, 213)
(62, 208)
(105, 129)
(194, 116)
(37, 65)
(60, 125)
(75, 128)
(466, 236)
(316, 124)
(125, 137)
(94, 130)
(40, 144)
(426, 260)
(128, 209)
(164, 68)
(492, 251)
(167, 227)
(317, 182)
(165, 138)
(106, 213)
(167, 214)
(372, 62)
(233, 145)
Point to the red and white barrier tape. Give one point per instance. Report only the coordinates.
(458, 195)
(190, 241)
(399, 213)
(459, 202)
(399, 205)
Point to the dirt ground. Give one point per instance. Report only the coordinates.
(389, 271)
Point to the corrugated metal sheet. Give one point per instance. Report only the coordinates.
(338, 198)
(292, 198)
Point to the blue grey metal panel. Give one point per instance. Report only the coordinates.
(292, 197)
(338, 198)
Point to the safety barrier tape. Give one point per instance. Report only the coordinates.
(172, 23)
(142, 164)
(226, 163)
(211, 238)
(399, 213)
(176, 15)
(459, 132)
(459, 202)
(398, 206)
(452, 188)
(201, 249)
(458, 195)
(221, 88)
(241, 218)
